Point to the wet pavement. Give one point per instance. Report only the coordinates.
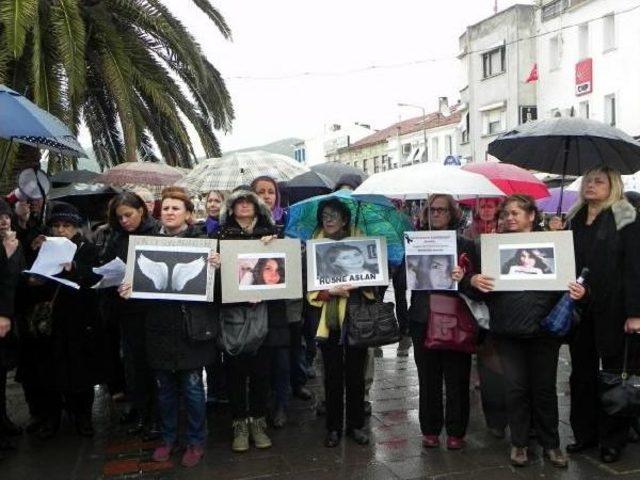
(298, 452)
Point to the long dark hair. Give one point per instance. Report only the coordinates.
(528, 204)
(128, 199)
(258, 270)
(515, 261)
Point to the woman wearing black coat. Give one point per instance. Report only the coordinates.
(245, 216)
(128, 215)
(436, 367)
(180, 341)
(11, 264)
(606, 232)
(528, 355)
(62, 359)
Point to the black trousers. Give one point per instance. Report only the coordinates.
(530, 368)
(588, 421)
(254, 369)
(434, 368)
(140, 382)
(343, 376)
(492, 385)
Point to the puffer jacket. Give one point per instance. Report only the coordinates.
(278, 334)
(518, 314)
(181, 335)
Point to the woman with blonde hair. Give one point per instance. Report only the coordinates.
(606, 232)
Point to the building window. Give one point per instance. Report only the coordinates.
(555, 52)
(435, 147)
(583, 109)
(493, 62)
(406, 149)
(448, 145)
(356, 164)
(553, 9)
(365, 165)
(464, 125)
(583, 41)
(494, 121)
(610, 109)
(299, 154)
(376, 164)
(609, 32)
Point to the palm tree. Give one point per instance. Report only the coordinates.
(128, 69)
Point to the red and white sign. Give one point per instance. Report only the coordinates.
(584, 77)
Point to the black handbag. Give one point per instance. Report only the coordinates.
(40, 319)
(372, 323)
(620, 392)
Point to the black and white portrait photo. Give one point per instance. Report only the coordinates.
(170, 268)
(527, 261)
(355, 262)
(430, 272)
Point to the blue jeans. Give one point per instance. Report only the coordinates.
(189, 382)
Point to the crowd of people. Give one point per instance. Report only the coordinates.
(161, 354)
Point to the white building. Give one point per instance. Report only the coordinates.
(589, 60)
(496, 56)
(315, 149)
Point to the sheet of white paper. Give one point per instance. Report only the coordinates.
(53, 254)
(63, 281)
(112, 273)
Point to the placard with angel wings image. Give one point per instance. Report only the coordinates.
(170, 268)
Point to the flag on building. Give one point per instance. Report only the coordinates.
(533, 75)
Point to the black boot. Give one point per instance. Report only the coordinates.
(9, 428)
(49, 428)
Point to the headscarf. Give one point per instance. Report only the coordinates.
(277, 212)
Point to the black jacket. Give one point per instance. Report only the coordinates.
(181, 335)
(10, 269)
(610, 247)
(278, 335)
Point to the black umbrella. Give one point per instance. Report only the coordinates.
(62, 179)
(335, 170)
(307, 185)
(91, 199)
(567, 146)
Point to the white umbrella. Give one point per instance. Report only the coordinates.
(419, 181)
(631, 183)
(235, 169)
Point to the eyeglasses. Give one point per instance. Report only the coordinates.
(438, 210)
(330, 216)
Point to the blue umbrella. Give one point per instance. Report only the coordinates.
(373, 215)
(22, 121)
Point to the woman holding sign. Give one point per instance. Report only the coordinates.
(529, 355)
(439, 273)
(179, 343)
(344, 365)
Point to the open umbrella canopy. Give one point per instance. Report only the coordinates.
(374, 215)
(510, 178)
(335, 170)
(307, 185)
(567, 146)
(23, 121)
(551, 203)
(67, 177)
(235, 169)
(424, 179)
(140, 173)
(90, 198)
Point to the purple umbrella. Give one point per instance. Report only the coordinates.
(550, 204)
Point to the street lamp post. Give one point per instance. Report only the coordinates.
(424, 123)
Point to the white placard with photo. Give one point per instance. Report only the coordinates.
(254, 271)
(529, 261)
(356, 261)
(170, 268)
(430, 258)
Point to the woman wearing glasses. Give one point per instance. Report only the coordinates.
(438, 366)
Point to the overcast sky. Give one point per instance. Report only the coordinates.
(412, 42)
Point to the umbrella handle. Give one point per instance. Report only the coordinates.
(564, 173)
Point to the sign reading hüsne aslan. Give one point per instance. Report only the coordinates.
(356, 261)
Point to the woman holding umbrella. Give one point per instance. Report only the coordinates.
(606, 231)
